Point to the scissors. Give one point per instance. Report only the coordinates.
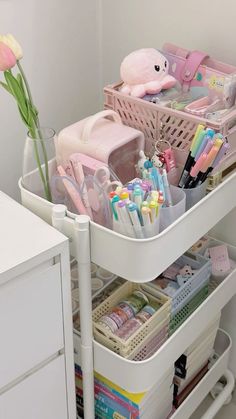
(102, 178)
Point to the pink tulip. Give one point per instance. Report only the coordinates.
(7, 57)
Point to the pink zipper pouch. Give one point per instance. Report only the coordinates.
(197, 69)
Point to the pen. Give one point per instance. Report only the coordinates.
(195, 170)
(137, 197)
(210, 158)
(133, 213)
(190, 158)
(124, 218)
(154, 210)
(225, 147)
(168, 199)
(71, 190)
(208, 136)
(79, 177)
(114, 203)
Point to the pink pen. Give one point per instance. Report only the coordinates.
(195, 170)
(78, 173)
(73, 193)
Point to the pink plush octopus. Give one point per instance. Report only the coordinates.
(145, 71)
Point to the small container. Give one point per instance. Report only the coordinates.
(105, 275)
(194, 195)
(169, 214)
(97, 284)
(74, 271)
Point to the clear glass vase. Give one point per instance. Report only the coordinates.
(39, 162)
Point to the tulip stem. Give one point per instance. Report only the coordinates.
(36, 120)
(25, 81)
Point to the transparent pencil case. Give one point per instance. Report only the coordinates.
(194, 195)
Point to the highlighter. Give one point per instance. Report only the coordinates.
(190, 158)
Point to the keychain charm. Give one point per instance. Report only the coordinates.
(165, 156)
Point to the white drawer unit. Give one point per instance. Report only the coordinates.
(42, 395)
(36, 345)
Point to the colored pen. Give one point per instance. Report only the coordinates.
(210, 158)
(114, 204)
(223, 150)
(138, 197)
(79, 177)
(168, 199)
(133, 213)
(124, 218)
(190, 158)
(208, 136)
(154, 210)
(72, 192)
(195, 170)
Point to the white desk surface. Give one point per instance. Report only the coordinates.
(23, 235)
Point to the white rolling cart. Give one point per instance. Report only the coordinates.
(141, 261)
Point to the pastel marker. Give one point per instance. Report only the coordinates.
(195, 170)
(133, 213)
(223, 150)
(190, 158)
(114, 204)
(208, 136)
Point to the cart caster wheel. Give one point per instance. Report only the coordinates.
(217, 389)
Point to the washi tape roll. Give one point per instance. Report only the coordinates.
(127, 308)
(137, 300)
(146, 313)
(107, 323)
(129, 328)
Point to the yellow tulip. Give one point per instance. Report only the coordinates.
(12, 43)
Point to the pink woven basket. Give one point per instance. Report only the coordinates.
(177, 126)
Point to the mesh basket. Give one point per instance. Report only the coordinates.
(153, 119)
(115, 343)
(186, 292)
(187, 310)
(152, 343)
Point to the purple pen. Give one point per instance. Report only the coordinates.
(224, 148)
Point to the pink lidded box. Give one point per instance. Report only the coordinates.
(102, 137)
(197, 69)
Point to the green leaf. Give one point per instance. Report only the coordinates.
(5, 86)
(17, 93)
(20, 82)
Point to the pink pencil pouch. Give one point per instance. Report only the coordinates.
(197, 69)
(102, 137)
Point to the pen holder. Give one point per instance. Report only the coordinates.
(137, 233)
(169, 214)
(194, 195)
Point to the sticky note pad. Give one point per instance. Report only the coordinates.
(220, 259)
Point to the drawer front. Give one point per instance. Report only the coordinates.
(31, 322)
(40, 396)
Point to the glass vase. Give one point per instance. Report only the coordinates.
(39, 162)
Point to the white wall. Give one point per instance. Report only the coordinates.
(60, 45)
(195, 24)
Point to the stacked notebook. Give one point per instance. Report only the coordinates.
(193, 364)
(113, 402)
